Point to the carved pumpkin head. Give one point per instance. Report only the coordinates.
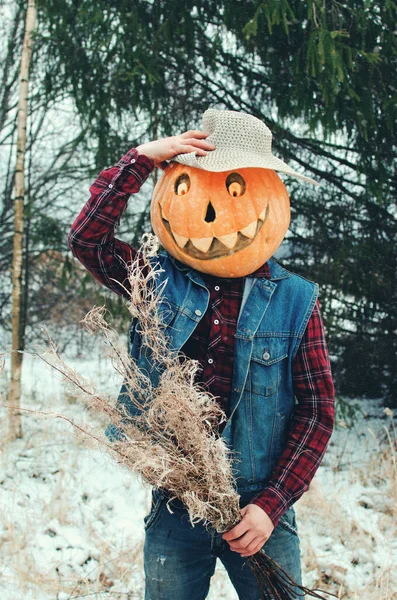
(224, 223)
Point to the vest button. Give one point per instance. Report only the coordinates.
(266, 355)
(198, 312)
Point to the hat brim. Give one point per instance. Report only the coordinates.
(221, 160)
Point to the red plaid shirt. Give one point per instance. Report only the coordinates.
(92, 240)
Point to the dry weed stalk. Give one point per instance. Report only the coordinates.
(172, 441)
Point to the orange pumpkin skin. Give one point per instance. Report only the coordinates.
(241, 232)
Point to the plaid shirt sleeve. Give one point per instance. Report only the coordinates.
(311, 425)
(92, 236)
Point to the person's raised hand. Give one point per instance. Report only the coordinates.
(166, 148)
(254, 529)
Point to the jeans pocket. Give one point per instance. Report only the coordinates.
(153, 515)
(288, 522)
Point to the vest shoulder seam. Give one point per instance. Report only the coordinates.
(302, 277)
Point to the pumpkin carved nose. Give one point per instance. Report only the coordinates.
(211, 214)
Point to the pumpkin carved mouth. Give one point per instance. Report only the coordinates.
(215, 247)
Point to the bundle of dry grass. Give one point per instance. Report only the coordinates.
(172, 440)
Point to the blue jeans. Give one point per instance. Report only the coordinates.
(180, 559)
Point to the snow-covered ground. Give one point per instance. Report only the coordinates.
(71, 519)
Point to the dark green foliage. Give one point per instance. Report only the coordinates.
(320, 74)
(48, 232)
(330, 63)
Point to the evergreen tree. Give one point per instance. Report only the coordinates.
(319, 74)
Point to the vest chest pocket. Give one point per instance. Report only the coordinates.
(267, 359)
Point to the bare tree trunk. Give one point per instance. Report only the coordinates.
(15, 424)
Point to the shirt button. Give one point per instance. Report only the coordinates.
(132, 160)
(210, 361)
(217, 288)
(198, 312)
(110, 185)
(216, 322)
(266, 355)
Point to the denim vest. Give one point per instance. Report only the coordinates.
(273, 317)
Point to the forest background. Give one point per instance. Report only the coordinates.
(108, 75)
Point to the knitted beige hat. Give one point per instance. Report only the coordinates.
(240, 141)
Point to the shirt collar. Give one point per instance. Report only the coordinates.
(263, 271)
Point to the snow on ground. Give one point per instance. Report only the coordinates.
(71, 519)
(348, 517)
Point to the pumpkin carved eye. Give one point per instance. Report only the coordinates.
(182, 184)
(235, 184)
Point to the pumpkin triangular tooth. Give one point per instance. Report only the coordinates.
(180, 240)
(162, 214)
(250, 230)
(228, 240)
(202, 244)
(263, 214)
